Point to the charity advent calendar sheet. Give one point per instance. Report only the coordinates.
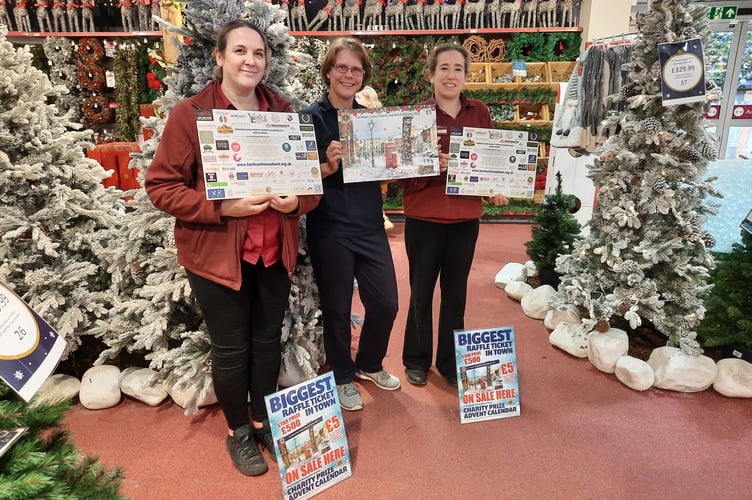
(30, 349)
(309, 437)
(486, 162)
(252, 153)
(488, 387)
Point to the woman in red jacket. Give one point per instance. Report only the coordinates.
(239, 254)
(441, 230)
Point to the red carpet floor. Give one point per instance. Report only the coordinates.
(581, 433)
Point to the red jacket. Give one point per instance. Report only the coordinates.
(208, 245)
(424, 197)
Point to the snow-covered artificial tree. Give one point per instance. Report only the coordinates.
(55, 214)
(646, 256)
(157, 312)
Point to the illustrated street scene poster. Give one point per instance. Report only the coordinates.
(309, 437)
(252, 153)
(682, 72)
(488, 387)
(486, 162)
(388, 143)
(30, 349)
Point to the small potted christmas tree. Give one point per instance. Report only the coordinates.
(727, 323)
(554, 232)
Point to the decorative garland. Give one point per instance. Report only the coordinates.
(525, 47)
(91, 78)
(126, 75)
(563, 46)
(96, 109)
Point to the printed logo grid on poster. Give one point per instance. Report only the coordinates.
(248, 153)
(388, 143)
(30, 349)
(488, 387)
(486, 162)
(309, 437)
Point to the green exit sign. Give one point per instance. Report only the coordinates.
(725, 13)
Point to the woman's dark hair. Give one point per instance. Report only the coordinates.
(224, 32)
(446, 47)
(357, 48)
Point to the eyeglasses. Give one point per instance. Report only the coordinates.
(343, 68)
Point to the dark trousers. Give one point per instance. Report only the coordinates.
(336, 261)
(436, 249)
(245, 327)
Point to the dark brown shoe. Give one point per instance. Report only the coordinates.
(416, 377)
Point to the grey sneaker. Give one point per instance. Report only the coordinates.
(349, 397)
(382, 379)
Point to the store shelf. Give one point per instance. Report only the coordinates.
(468, 31)
(36, 36)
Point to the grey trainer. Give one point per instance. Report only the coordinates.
(382, 379)
(349, 397)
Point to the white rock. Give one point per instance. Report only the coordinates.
(182, 396)
(536, 303)
(517, 289)
(556, 316)
(512, 271)
(734, 378)
(530, 269)
(605, 348)
(570, 338)
(135, 382)
(634, 373)
(100, 387)
(57, 387)
(681, 372)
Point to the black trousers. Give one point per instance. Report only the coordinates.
(245, 327)
(336, 261)
(435, 250)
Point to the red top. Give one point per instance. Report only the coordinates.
(424, 197)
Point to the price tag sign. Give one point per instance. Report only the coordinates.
(30, 348)
(682, 72)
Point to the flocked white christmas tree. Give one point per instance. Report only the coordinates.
(55, 214)
(156, 312)
(646, 257)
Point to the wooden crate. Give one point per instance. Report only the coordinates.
(501, 76)
(532, 113)
(537, 74)
(477, 76)
(560, 71)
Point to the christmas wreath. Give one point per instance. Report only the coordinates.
(96, 109)
(90, 51)
(525, 47)
(91, 78)
(562, 47)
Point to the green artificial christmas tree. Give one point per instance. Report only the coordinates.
(55, 215)
(727, 322)
(554, 232)
(43, 462)
(646, 257)
(156, 312)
